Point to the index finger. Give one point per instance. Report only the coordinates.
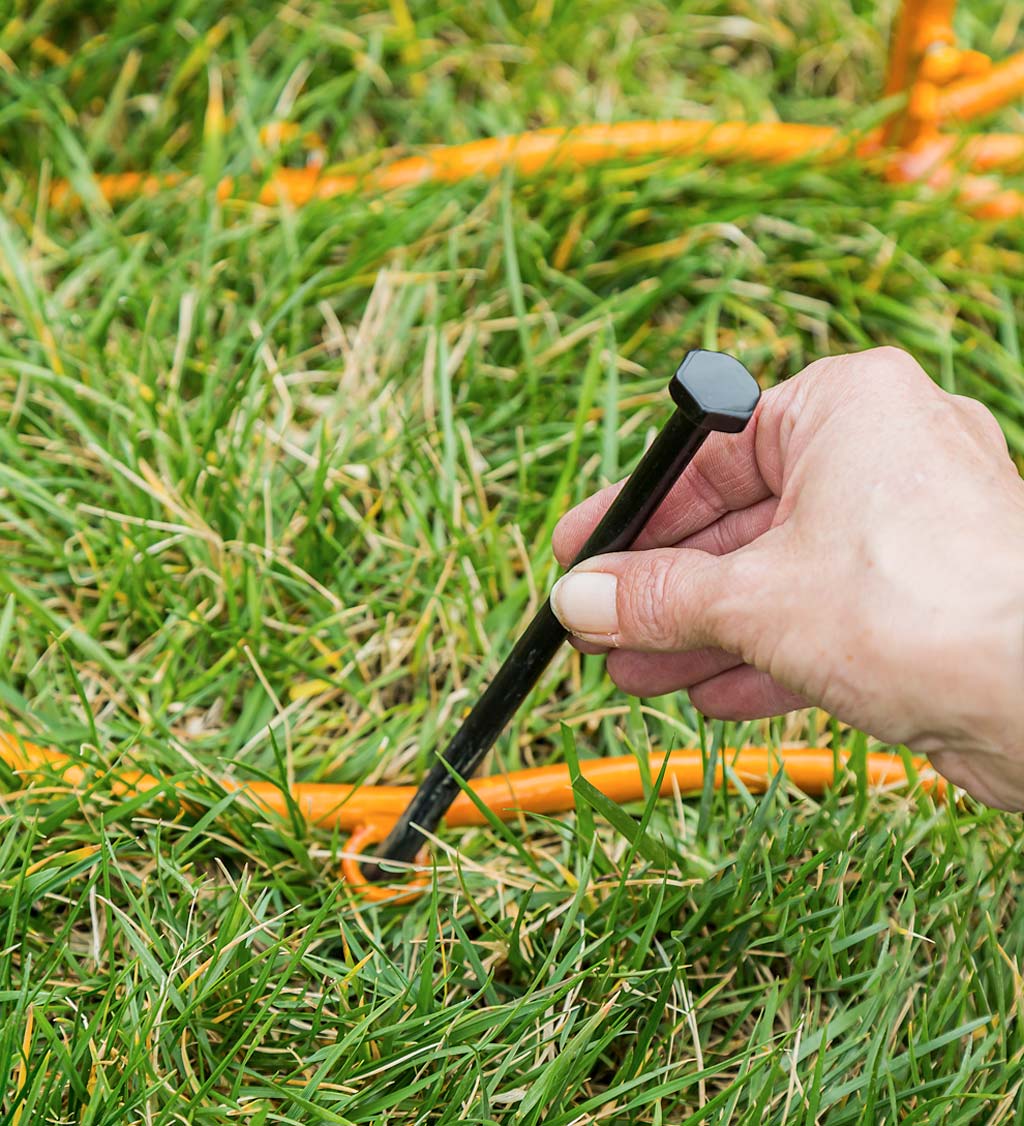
(724, 476)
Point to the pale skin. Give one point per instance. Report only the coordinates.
(859, 548)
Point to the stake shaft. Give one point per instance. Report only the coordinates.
(658, 470)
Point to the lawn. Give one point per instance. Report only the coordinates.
(277, 487)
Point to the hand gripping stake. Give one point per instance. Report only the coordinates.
(712, 392)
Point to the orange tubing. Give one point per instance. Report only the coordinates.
(972, 97)
(579, 147)
(118, 187)
(986, 153)
(992, 150)
(940, 81)
(369, 811)
(528, 153)
(929, 162)
(920, 25)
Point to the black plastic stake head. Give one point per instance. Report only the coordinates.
(714, 390)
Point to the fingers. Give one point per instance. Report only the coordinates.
(653, 601)
(719, 684)
(735, 529)
(675, 599)
(743, 693)
(724, 476)
(731, 472)
(655, 674)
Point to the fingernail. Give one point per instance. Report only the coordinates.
(584, 602)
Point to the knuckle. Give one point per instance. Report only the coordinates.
(707, 492)
(883, 364)
(838, 377)
(890, 358)
(981, 420)
(865, 378)
(828, 368)
(890, 367)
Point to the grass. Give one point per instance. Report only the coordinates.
(276, 491)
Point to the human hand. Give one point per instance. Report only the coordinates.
(859, 547)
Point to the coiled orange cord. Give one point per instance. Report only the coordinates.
(591, 145)
(940, 81)
(368, 812)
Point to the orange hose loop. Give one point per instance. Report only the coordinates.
(922, 28)
(377, 893)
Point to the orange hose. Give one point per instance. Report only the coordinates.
(972, 97)
(370, 811)
(928, 163)
(919, 25)
(579, 147)
(585, 146)
(990, 151)
(528, 153)
(985, 153)
(118, 186)
(940, 80)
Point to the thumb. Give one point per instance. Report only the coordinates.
(664, 600)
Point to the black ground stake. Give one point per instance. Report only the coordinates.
(712, 392)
